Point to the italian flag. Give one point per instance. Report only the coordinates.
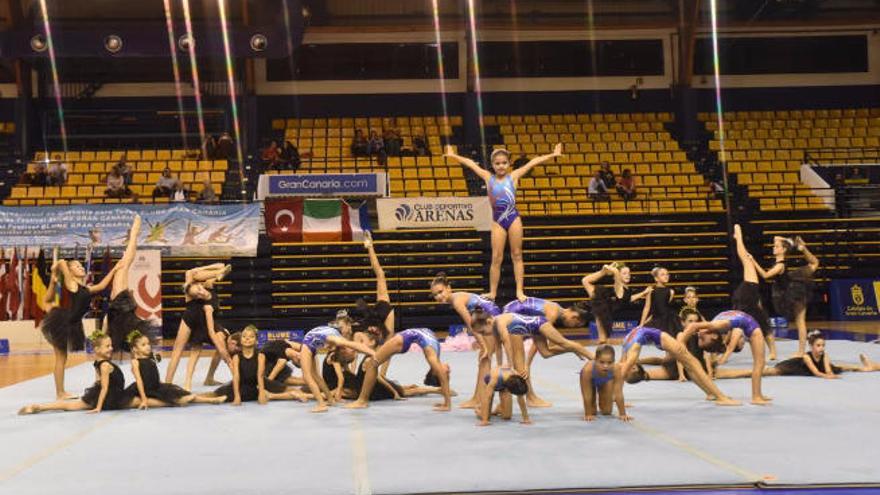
(327, 220)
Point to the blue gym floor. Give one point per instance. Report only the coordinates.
(816, 432)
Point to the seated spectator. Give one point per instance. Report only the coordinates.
(377, 148)
(167, 185)
(40, 175)
(56, 174)
(126, 171)
(392, 142)
(271, 156)
(626, 185)
(713, 189)
(597, 190)
(856, 176)
(522, 160)
(359, 145)
(290, 156)
(116, 187)
(607, 175)
(207, 194)
(420, 145)
(209, 148)
(225, 149)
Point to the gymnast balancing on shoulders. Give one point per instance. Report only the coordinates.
(507, 225)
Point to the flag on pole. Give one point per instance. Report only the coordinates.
(315, 220)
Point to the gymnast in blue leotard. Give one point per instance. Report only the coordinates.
(504, 382)
(726, 333)
(501, 187)
(575, 315)
(338, 333)
(464, 304)
(399, 343)
(602, 379)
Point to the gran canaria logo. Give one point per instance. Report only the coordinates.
(858, 297)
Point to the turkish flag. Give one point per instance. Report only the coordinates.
(284, 219)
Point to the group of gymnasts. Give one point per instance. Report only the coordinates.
(695, 349)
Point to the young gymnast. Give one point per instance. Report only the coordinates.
(344, 384)
(401, 342)
(376, 320)
(121, 317)
(817, 363)
(726, 333)
(464, 303)
(690, 300)
(197, 326)
(336, 334)
(606, 301)
(747, 296)
(602, 380)
(147, 385)
(573, 316)
(507, 223)
(107, 394)
(505, 382)
(792, 287)
(249, 382)
(641, 336)
(62, 327)
(659, 311)
(278, 354)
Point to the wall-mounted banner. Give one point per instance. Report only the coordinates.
(855, 299)
(145, 284)
(409, 213)
(178, 230)
(315, 220)
(373, 184)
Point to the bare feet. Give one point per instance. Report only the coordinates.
(761, 401)
(186, 399)
(218, 400)
(468, 404)
(188, 386)
(727, 401)
(368, 239)
(537, 402)
(521, 296)
(320, 408)
(357, 405)
(441, 407)
(867, 365)
(67, 396)
(210, 382)
(737, 232)
(31, 409)
(489, 295)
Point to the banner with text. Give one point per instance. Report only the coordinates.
(855, 299)
(372, 184)
(179, 230)
(414, 213)
(145, 283)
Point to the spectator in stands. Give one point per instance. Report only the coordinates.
(271, 156)
(377, 148)
(207, 194)
(39, 177)
(626, 185)
(209, 148)
(290, 156)
(856, 176)
(713, 188)
(607, 175)
(597, 190)
(359, 145)
(167, 185)
(522, 160)
(225, 148)
(126, 170)
(420, 145)
(393, 142)
(116, 187)
(56, 173)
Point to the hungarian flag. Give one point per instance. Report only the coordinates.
(315, 220)
(39, 286)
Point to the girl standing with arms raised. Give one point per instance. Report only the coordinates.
(507, 223)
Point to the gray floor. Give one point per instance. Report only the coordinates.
(817, 431)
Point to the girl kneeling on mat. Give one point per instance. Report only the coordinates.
(603, 379)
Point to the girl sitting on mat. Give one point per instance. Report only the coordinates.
(147, 385)
(642, 336)
(817, 363)
(505, 382)
(336, 334)
(727, 333)
(107, 394)
(602, 380)
(401, 342)
(249, 382)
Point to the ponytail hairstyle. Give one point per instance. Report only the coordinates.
(516, 385)
(789, 245)
(440, 279)
(636, 375)
(342, 317)
(656, 271)
(133, 337)
(605, 349)
(814, 335)
(686, 311)
(620, 265)
(690, 288)
(499, 151)
(97, 337)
